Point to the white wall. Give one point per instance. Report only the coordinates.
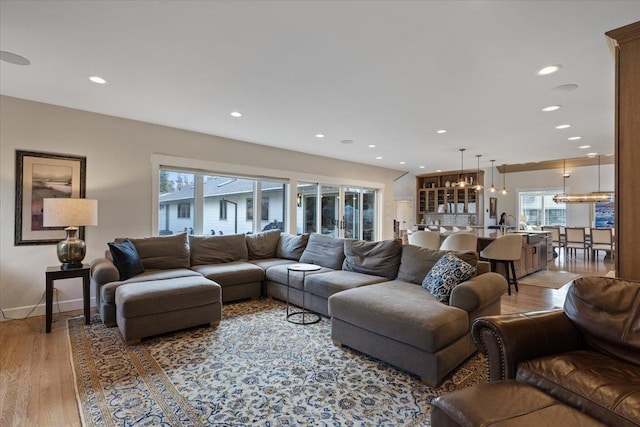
(119, 176)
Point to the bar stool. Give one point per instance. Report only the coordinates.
(505, 250)
(425, 239)
(460, 242)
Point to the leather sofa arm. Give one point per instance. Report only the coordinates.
(104, 271)
(510, 339)
(477, 292)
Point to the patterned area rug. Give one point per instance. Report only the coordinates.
(255, 368)
(549, 279)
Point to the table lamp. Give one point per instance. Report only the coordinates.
(70, 213)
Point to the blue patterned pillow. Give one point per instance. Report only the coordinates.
(448, 272)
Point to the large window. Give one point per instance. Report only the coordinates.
(176, 201)
(539, 208)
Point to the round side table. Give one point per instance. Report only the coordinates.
(306, 317)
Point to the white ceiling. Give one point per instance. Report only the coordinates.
(384, 73)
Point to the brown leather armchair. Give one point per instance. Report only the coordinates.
(586, 356)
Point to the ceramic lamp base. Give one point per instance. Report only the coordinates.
(72, 250)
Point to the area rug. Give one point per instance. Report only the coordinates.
(548, 279)
(255, 368)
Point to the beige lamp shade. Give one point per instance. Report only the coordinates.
(69, 212)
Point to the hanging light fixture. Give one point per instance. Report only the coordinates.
(504, 178)
(493, 188)
(478, 185)
(463, 181)
(596, 196)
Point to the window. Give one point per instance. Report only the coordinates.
(223, 209)
(539, 208)
(184, 210)
(264, 209)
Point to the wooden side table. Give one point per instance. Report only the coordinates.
(56, 272)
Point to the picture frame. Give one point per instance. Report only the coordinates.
(44, 175)
(493, 208)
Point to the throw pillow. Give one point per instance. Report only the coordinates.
(291, 246)
(126, 259)
(263, 245)
(446, 274)
(325, 251)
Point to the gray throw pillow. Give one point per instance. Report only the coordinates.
(326, 251)
(290, 246)
(416, 262)
(163, 252)
(263, 245)
(375, 258)
(448, 272)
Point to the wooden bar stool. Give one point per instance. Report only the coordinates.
(505, 250)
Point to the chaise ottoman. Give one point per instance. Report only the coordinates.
(149, 308)
(506, 403)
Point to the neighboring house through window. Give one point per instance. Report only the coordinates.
(265, 209)
(184, 210)
(223, 209)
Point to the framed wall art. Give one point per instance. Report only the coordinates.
(493, 208)
(40, 176)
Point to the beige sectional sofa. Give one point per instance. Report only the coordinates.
(370, 289)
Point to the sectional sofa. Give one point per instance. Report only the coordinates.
(370, 289)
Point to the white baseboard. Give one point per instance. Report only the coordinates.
(40, 310)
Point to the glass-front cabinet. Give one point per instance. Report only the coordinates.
(439, 194)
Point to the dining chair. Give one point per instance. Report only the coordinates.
(556, 240)
(460, 242)
(601, 240)
(505, 250)
(425, 239)
(576, 238)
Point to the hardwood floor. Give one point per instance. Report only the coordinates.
(36, 381)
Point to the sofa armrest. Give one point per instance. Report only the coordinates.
(483, 267)
(510, 339)
(104, 271)
(478, 292)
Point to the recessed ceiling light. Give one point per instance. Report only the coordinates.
(563, 126)
(320, 135)
(13, 58)
(403, 163)
(438, 170)
(441, 131)
(97, 79)
(379, 158)
(551, 108)
(584, 146)
(236, 114)
(592, 154)
(549, 69)
(347, 141)
(372, 145)
(574, 138)
(421, 167)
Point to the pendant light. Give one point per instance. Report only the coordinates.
(478, 185)
(462, 182)
(596, 196)
(504, 178)
(493, 188)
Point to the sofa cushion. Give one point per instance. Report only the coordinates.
(606, 311)
(291, 247)
(108, 290)
(231, 273)
(278, 274)
(416, 262)
(375, 258)
(326, 284)
(163, 252)
(448, 272)
(403, 311)
(126, 259)
(218, 249)
(266, 264)
(326, 251)
(602, 386)
(263, 245)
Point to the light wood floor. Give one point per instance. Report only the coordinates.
(36, 381)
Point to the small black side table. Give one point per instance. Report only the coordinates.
(56, 272)
(313, 317)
